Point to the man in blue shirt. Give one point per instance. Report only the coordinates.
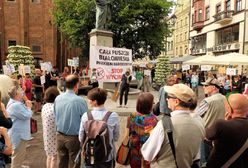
(69, 109)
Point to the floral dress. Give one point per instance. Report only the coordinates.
(49, 129)
(140, 125)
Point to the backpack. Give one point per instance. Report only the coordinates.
(96, 146)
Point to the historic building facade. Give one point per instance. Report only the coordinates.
(218, 27)
(181, 29)
(29, 23)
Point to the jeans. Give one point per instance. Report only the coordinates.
(206, 148)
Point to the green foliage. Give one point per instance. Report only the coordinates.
(137, 24)
(20, 55)
(163, 68)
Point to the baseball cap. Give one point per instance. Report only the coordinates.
(181, 91)
(211, 81)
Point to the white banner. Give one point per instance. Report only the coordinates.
(70, 62)
(110, 63)
(231, 71)
(147, 72)
(6, 70)
(206, 67)
(185, 67)
(42, 79)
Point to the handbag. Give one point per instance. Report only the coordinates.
(156, 109)
(123, 153)
(33, 126)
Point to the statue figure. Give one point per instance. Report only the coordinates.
(103, 13)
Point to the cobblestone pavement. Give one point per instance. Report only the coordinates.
(36, 157)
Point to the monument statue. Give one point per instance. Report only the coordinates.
(103, 13)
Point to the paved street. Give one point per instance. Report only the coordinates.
(36, 156)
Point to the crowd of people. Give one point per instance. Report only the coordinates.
(184, 135)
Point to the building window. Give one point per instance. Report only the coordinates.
(176, 38)
(186, 20)
(176, 51)
(238, 5)
(12, 42)
(181, 23)
(228, 5)
(228, 35)
(207, 15)
(218, 8)
(36, 48)
(186, 50)
(185, 36)
(35, 1)
(200, 15)
(172, 45)
(198, 42)
(181, 51)
(181, 37)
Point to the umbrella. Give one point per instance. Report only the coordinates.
(180, 60)
(200, 60)
(229, 59)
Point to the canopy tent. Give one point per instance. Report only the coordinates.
(180, 60)
(228, 59)
(200, 60)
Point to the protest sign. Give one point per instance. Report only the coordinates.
(6, 70)
(231, 71)
(147, 72)
(42, 79)
(70, 62)
(206, 67)
(185, 67)
(110, 63)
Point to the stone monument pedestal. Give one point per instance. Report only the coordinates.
(101, 38)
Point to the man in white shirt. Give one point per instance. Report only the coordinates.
(187, 132)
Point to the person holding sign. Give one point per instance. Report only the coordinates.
(124, 87)
(38, 90)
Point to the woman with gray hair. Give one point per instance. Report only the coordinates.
(20, 114)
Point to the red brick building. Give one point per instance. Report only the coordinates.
(29, 23)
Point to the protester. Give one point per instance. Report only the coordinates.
(229, 135)
(195, 82)
(65, 73)
(19, 133)
(210, 109)
(49, 128)
(54, 77)
(236, 85)
(38, 91)
(68, 109)
(93, 79)
(27, 82)
(139, 126)
(5, 146)
(146, 83)
(97, 98)
(227, 85)
(139, 78)
(187, 132)
(163, 104)
(124, 87)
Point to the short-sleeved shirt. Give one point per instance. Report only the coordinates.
(37, 81)
(125, 80)
(53, 82)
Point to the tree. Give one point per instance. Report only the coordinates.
(137, 24)
(163, 69)
(20, 55)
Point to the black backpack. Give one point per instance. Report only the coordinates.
(96, 146)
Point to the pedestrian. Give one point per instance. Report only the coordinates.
(124, 87)
(146, 83)
(163, 104)
(210, 109)
(27, 82)
(187, 132)
(229, 135)
(139, 78)
(5, 120)
(38, 91)
(97, 98)
(19, 133)
(68, 109)
(236, 85)
(54, 76)
(49, 128)
(227, 85)
(139, 126)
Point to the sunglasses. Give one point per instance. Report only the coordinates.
(171, 97)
